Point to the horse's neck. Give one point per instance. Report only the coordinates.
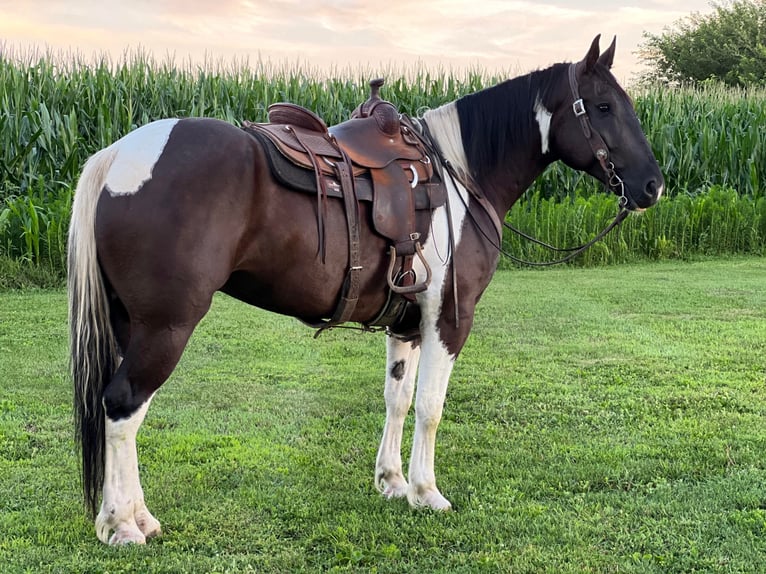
(509, 179)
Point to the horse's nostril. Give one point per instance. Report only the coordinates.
(653, 189)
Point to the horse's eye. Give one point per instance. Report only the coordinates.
(604, 108)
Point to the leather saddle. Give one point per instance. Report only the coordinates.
(378, 156)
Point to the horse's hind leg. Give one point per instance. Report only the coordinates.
(401, 367)
(150, 357)
(122, 508)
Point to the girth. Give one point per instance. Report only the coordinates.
(374, 156)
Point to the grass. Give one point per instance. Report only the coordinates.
(598, 420)
(21, 274)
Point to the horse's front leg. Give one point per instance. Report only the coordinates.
(436, 364)
(401, 367)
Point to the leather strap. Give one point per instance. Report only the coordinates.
(321, 191)
(350, 291)
(596, 142)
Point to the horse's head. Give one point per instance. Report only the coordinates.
(595, 129)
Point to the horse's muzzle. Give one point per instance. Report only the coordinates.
(651, 193)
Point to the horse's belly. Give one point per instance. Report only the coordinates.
(283, 270)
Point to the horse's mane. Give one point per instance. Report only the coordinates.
(497, 120)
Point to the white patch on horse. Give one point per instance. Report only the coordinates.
(444, 124)
(137, 154)
(543, 117)
(436, 361)
(122, 508)
(433, 378)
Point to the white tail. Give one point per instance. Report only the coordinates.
(93, 349)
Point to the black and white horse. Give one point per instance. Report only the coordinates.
(181, 208)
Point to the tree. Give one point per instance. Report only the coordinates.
(727, 45)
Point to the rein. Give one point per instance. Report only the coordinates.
(600, 152)
(575, 251)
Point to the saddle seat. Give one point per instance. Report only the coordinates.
(285, 113)
(373, 137)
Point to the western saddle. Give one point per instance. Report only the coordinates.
(377, 155)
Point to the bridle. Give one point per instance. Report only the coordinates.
(596, 142)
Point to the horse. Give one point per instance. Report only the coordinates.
(180, 209)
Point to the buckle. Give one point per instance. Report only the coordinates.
(579, 108)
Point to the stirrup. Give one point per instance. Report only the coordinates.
(415, 287)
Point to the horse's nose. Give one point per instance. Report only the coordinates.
(651, 194)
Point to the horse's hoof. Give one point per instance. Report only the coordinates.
(127, 536)
(431, 498)
(148, 525)
(395, 491)
(153, 533)
(391, 484)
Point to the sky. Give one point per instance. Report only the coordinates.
(513, 36)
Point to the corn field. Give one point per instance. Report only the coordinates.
(56, 110)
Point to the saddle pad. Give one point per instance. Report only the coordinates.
(298, 178)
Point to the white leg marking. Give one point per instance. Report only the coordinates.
(435, 369)
(401, 368)
(122, 508)
(543, 117)
(137, 154)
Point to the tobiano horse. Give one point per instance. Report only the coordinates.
(182, 208)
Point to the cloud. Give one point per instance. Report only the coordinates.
(493, 34)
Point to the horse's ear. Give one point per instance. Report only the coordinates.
(607, 58)
(591, 58)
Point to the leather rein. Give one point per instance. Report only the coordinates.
(600, 152)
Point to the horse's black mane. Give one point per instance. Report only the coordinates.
(497, 120)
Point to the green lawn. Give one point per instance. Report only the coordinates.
(598, 420)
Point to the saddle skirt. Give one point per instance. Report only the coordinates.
(427, 194)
